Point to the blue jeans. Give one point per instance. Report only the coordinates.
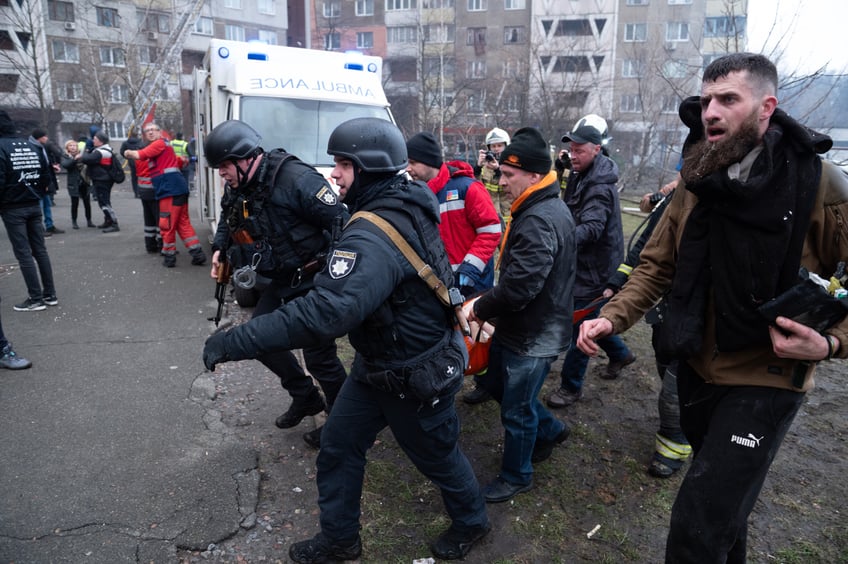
(46, 204)
(26, 234)
(515, 381)
(428, 436)
(575, 363)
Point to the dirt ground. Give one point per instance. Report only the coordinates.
(595, 482)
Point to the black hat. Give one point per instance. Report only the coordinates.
(102, 135)
(584, 134)
(528, 151)
(38, 133)
(424, 148)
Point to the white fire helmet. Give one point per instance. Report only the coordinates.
(497, 135)
(596, 121)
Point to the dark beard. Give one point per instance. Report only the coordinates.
(705, 158)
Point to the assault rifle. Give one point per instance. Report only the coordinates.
(225, 271)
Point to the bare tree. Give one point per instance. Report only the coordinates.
(23, 50)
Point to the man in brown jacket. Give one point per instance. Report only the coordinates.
(755, 203)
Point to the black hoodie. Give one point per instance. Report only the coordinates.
(23, 171)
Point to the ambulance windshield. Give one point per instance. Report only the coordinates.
(302, 127)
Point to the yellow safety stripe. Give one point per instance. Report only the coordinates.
(671, 449)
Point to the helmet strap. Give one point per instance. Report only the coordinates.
(242, 175)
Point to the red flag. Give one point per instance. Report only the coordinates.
(150, 115)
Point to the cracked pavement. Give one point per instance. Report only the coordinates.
(112, 451)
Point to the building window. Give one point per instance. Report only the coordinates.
(724, 26)
(118, 93)
(573, 28)
(266, 7)
(709, 58)
(333, 41)
(233, 32)
(364, 39)
(514, 35)
(116, 129)
(675, 69)
(112, 57)
(60, 11)
(108, 17)
(69, 91)
(476, 103)
(639, 2)
(478, 5)
(9, 82)
(402, 34)
(673, 2)
(669, 104)
(631, 103)
(268, 36)
(394, 5)
(234, 4)
(147, 54)
(64, 52)
(439, 33)
(433, 66)
(203, 26)
(635, 32)
(677, 31)
(631, 68)
(514, 4)
(332, 9)
(475, 36)
(155, 22)
(475, 69)
(436, 4)
(6, 43)
(512, 69)
(513, 103)
(364, 7)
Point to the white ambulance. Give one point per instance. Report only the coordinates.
(293, 97)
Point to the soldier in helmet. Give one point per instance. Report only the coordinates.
(277, 216)
(488, 169)
(402, 334)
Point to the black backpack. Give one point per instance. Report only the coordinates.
(116, 170)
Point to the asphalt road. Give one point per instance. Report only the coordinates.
(110, 451)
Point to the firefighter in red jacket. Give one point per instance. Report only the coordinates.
(470, 226)
(163, 167)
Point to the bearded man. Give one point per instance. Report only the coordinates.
(755, 203)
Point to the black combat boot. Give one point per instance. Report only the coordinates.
(300, 409)
(320, 549)
(198, 257)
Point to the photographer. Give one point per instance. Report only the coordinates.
(488, 170)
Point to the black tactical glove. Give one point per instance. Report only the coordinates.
(215, 350)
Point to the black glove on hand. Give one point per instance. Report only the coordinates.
(215, 350)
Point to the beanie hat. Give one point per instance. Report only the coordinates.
(424, 148)
(7, 127)
(528, 151)
(104, 138)
(38, 133)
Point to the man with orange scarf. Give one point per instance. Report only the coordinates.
(531, 306)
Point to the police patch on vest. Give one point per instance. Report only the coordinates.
(452, 195)
(326, 196)
(341, 264)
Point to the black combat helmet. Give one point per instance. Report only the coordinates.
(230, 141)
(374, 144)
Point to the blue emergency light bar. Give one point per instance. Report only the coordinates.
(257, 57)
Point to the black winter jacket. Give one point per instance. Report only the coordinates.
(368, 289)
(532, 302)
(593, 200)
(293, 214)
(98, 161)
(23, 174)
